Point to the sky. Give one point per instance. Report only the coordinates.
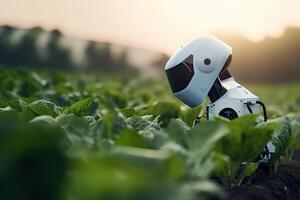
(160, 25)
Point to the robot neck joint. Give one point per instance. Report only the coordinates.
(216, 91)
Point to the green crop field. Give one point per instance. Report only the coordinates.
(100, 137)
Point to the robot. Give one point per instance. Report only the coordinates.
(199, 69)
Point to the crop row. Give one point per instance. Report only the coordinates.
(70, 136)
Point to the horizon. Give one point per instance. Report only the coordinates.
(172, 25)
(213, 32)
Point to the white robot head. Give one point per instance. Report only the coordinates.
(194, 68)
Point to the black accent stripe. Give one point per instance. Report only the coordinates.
(180, 75)
(224, 72)
(216, 91)
(224, 75)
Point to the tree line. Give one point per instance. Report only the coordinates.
(25, 52)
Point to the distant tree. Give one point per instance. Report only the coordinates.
(6, 50)
(25, 52)
(106, 56)
(122, 61)
(98, 57)
(123, 65)
(58, 56)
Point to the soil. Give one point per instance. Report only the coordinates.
(285, 185)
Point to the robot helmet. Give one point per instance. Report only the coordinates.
(194, 68)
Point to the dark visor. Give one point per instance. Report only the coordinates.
(224, 74)
(180, 76)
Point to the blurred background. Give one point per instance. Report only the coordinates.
(137, 37)
(86, 111)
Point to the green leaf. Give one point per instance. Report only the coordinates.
(295, 126)
(168, 165)
(177, 131)
(18, 104)
(27, 114)
(162, 162)
(190, 114)
(166, 110)
(128, 112)
(78, 131)
(8, 114)
(246, 171)
(245, 141)
(116, 176)
(250, 168)
(206, 135)
(6, 109)
(281, 137)
(65, 119)
(144, 125)
(130, 137)
(45, 120)
(91, 120)
(43, 107)
(26, 152)
(173, 148)
(201, 141)
(222, 166)
(84, 107)
(110, 125)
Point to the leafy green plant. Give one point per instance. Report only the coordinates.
(294, 142)
(73, 136)
(240, 147)
(281, 139)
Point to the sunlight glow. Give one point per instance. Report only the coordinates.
(160, 25)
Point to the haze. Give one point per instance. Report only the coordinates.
(160, 25)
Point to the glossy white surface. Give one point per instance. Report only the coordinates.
(202, 47)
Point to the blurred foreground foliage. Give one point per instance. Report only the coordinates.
(74, 136)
